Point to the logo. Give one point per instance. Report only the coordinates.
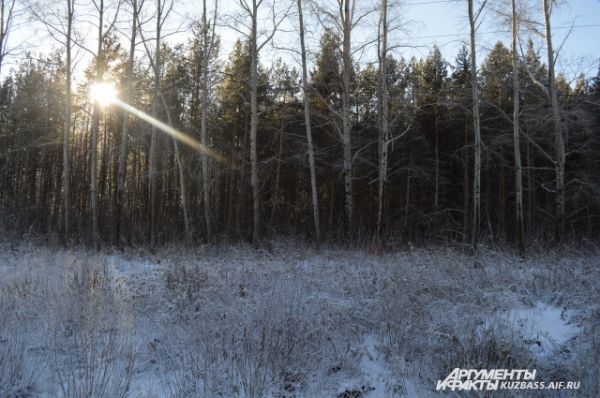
(499, 379)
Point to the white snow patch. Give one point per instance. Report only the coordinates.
(545, 328)
(375, 376)
(374, 368)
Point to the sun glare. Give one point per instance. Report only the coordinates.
(103, 93)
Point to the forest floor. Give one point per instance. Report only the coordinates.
(290, 321)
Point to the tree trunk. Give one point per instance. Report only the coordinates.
(559, 142)
(277, 171)
(516, 138)
(95, 128)
(122, 168)
(530, 192)
(206, 53)
(152, 155)
(183, 195)
(254, 127)
(67, 129)
(477, 134)
(346, 18)
(466, 201)
(436, 153)
(383, 135)
(307, 123)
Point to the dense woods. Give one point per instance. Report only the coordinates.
(335, 148)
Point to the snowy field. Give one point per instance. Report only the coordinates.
(290, 321)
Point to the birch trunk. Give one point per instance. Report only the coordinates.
(477, 133)
(383, 135)
(206, 53)
(307, 123)
(559, 142)
(95, 128)
(346, 18)
(516, 137)
(152, 155)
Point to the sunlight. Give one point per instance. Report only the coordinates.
(178, 135)
(106, 94)
(103, 93)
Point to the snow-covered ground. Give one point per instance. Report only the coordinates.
(290, 321)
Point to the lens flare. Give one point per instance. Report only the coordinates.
(103, 93)
(106, 94)
(176, 134)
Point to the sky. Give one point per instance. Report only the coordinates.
(445, 23)
(422, 24)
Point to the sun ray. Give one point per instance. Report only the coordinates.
(106, 94)
(173, 132)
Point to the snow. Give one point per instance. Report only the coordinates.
(544, 327)
(294, 322)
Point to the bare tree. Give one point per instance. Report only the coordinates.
(251, 11)
(208, 45)
(63, 33)
(95, 126)
(163, 9)
(121, 176)
(67, 128)
(516, 135)
(100, 7)
(183, 196)
(346, 11)
(559, 141)
(307, 123)
(7, 16)
(345, 19)
(473, 17)
(384, 128)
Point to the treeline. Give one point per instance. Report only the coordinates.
(152, 188)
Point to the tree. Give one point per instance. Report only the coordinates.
(208, 50)
(100, 67)
(559, 141)
(345, 14)
(307, 122)
(7, 18)
(67, 128)
(234, 113)
(516, 134)
(326, 87)
(163, 9)
(460, 102)
(63, 33)
(384, 126)
(136, 6)
(172, 91)
(345, 19)
(412, 129)
(95, 126)
(496, 107)
(475, 219)
(432, 82)
(251, 11)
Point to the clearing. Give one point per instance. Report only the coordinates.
(290, 321)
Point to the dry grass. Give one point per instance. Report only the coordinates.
(234, 321)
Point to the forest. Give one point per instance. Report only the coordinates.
(297, 198)
(503, 149)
